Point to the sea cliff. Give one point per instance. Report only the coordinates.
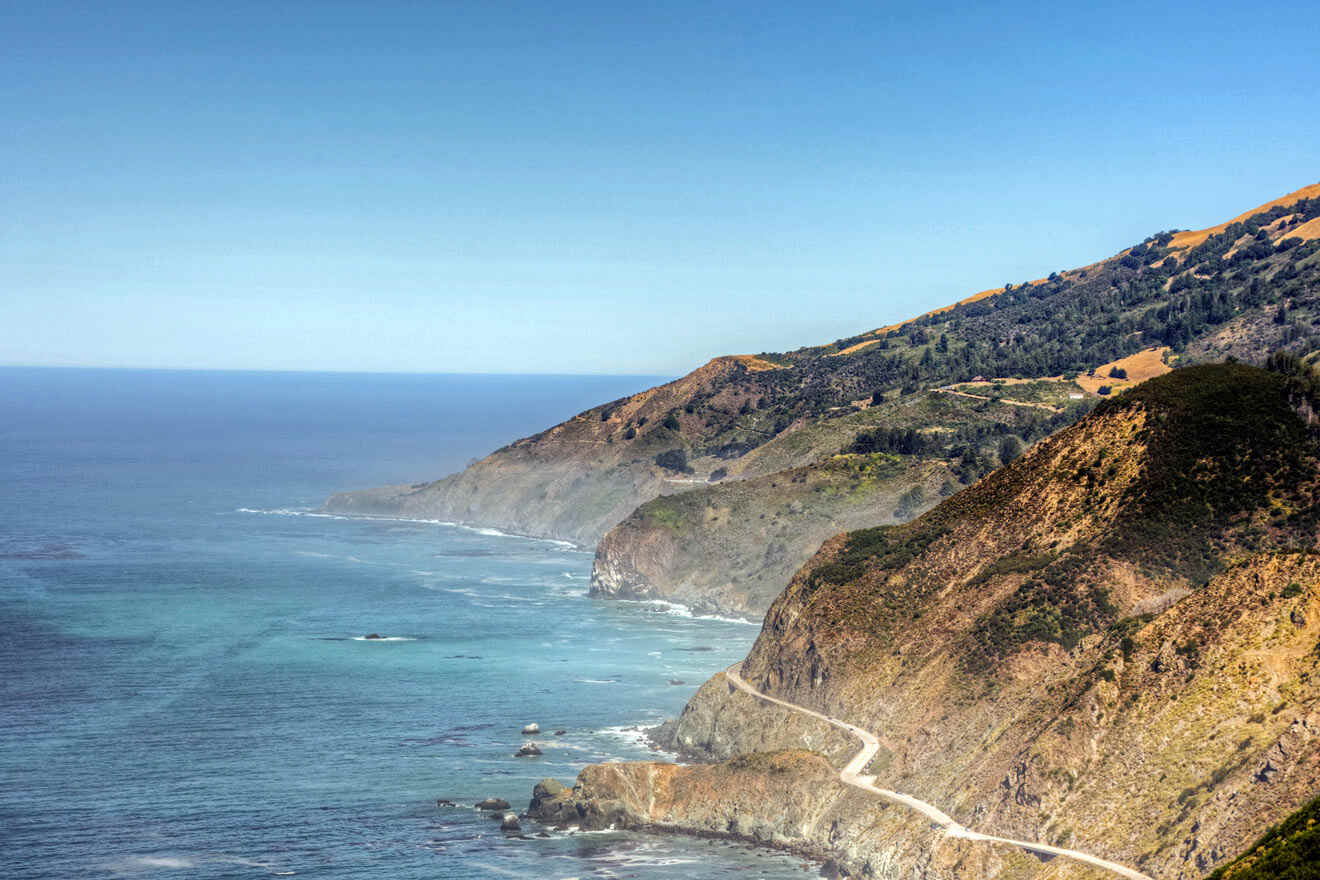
(1108, 645)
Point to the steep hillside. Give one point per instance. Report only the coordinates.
(1245, 290)
(1110, 645)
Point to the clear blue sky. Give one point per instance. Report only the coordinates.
(601, 187)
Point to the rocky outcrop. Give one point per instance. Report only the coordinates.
(789, 800)
(721, 722)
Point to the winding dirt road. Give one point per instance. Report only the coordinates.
(852, 775)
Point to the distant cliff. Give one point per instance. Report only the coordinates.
(1110, 645)
(730, 548)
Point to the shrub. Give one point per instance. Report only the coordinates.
(674, 460)
(1010, 447)
(1104, 389)
(909, 501)
(671, 422)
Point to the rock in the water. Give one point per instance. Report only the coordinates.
(374, 636)
(531, 729)
(493, 803)
(527, 751)
(677, 681)
(444, 802)
(509, 822)
(548, 788)
(551, 802)
(560, 732)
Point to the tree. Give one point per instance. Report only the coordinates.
(1010, 447)
(674, 460)
(1117, 373)
(671, 422)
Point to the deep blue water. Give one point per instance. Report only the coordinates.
(183, 687)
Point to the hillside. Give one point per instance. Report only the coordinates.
(729, 548)
(1109, 645)
(1242, 291)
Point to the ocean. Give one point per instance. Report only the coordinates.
(186, 689)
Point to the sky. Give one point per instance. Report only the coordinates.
(578, 187)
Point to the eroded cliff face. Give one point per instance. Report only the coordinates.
(1110, 645)
(730, 549)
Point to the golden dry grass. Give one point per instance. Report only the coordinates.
(755, 364)
(1140, 366)
(1186, 239)
(1307, 231)
(941, 310)
(1191, 238)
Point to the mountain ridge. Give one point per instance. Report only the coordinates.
(576, 480)
(1060, 344)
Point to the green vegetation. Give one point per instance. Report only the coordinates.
(1288, 851)
(881, 547)
(1227, 461)
(1053, 606)
(1227, 465)
(674, 460)
(1151, 296)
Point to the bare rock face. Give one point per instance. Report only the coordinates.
(721, 722)
(788, 800)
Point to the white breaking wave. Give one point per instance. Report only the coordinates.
(680, 610)
(480, 530)
(385, 639)
(634, 735)
(289, 511)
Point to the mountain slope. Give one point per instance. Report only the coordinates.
(1243, 291)
(730, 547)
(1110, 644)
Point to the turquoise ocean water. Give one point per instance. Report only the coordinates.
(184, 690)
